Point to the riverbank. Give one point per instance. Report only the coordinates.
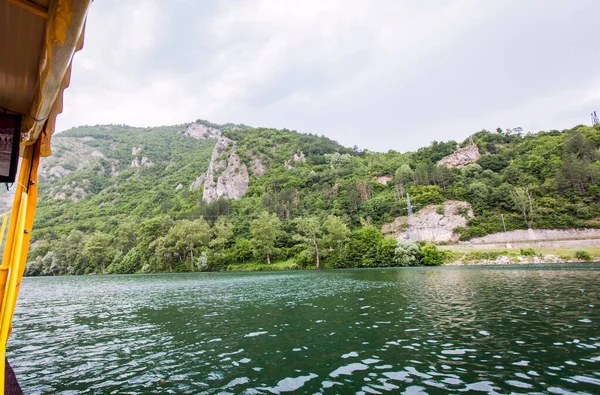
(467, 257)
(508, 256)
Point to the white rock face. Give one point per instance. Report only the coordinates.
(299, 158)
(227, 175)
(78, 194)
(201, 132)
(198, 182)
(461, 157)
(144, 162)
(384, 179)
(179, 186)
(113, 168)
(135, 150)
(289, 164)
(427, 225)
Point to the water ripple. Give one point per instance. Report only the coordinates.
(412, 331)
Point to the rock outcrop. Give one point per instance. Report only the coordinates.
(202, 132)
(434, 224)
(227, 175)
(144, 162)
(461, 157)
(198, 182)
(384, 179)
(289, 164)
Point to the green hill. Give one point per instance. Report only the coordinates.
(120, 199)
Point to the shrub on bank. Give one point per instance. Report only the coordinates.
(583, 255)
(527, 252)
(431, 255)
(407, 253)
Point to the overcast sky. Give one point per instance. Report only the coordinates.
(378, 74)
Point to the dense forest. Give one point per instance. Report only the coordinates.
(317, 203)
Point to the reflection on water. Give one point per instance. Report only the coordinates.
(496, 331)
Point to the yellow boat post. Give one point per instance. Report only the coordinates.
(5, 217)
(16, 247)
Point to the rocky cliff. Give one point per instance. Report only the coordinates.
(434, 224)
(227, 175)
(461, 157)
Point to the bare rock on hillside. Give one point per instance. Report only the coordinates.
(202, 132)
(384, 179)
(227, 175)
(289, 164)
(198, 182)
(461, 157)
(433, 223)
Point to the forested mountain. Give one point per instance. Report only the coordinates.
(201, 196)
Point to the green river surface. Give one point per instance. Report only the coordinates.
(531, 329)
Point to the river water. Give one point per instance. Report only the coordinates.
(518, 329)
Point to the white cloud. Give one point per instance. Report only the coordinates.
(385, 74)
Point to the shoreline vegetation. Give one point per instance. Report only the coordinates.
(471, 257)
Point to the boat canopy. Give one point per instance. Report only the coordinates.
(37, 42)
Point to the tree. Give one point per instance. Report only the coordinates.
(336, 233)
(403, 176)
(479, 193)
(186, 236)
(441, 175)
(222, 234)
(155, 227)
(524, 203)
(363, 247)
(96, 249)
(126, 236)
(265, 230)
(386, 251)
(242, 250)
(421, 175)
(309, 231)
(575, 174)
(406, 253)
(163, 252)
(577, 144)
